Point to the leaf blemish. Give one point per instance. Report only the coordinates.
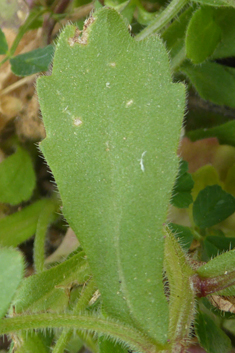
(129, 103)
(77, 122)
(142, 161)
(78, 38)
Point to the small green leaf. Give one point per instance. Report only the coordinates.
(97, 5)
(214, 82)
(11, 274)
(21, 225)
(220, 265)
(174, 35)
(3, 43)
(108, 346)
(17, 177)
(125, 8)
(229, 181)
(208, 251)
(225, 18)
(212, 206)
(175, 32)
(225, 133)
(181, 194)
(205, 176)
(32, 342)
(210, 336)
(37, 60)
(203, 35)
(183, 234)
(215, 245)
(52, 294)
(144, 17)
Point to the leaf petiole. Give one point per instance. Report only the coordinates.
(162, 19)
(110, 328)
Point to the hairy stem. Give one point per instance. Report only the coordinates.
(133, 338)
(182, 296)
(162, 19)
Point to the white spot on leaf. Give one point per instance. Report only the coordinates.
(77, 122)
(142, 161)
(129, 103)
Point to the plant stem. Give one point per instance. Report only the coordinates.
(132, 337)
(207, 286)
(162, 19)
(177, 60)
(17, 84)
(81, 305)
(182, 296)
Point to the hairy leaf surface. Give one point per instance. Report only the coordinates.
(11, 273)
(113, 120)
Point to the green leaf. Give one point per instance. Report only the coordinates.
(107, 346)
(105, 126)
(225, 133)
(225, 18)
(212, 206)
(183, 234)
(220, 265)
(229, 181)
(215, 245)
(32, 342)
(174, 36)
(126, 8)
(53, 294)
(181, 194)
(203, 35)
(97, 5)
(210, 336)
(204, 176)
(17, 177)
(3, 43)
(214, 82)
(37, 60)
(144, 17)
(11, 274)
(209, 251)
(21, 225)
